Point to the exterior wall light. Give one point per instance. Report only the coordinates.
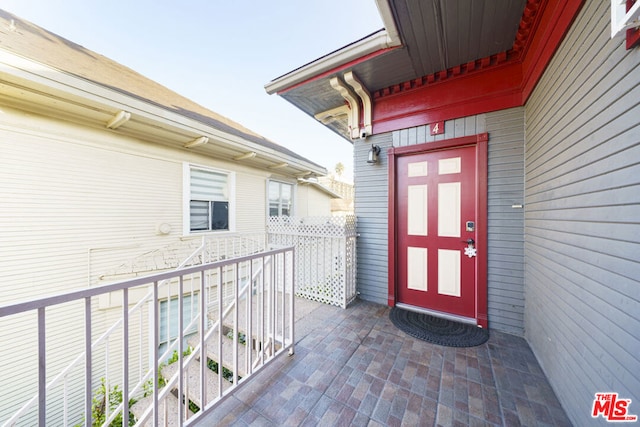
(373, 154)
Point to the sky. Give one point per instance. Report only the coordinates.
(220, 53)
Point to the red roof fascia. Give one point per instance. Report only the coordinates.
(489, 84)
(451, 98)
(553, 25)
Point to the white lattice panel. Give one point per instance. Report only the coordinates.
(325, 251)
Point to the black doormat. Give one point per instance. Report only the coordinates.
(437, 330)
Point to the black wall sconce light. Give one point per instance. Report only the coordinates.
(373, 154)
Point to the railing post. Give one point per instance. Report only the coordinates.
(272, 303)
(203, 354)
(249, 336)
(219, 310)
(260, 297)
(42, 368)
(88, 422)
(283, 299)
(65, 403)
(180, 347)
(154, 352)
(292, 303)
(125, 356)
(236, 288)
(107, 384)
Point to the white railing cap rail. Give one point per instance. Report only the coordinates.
(11, 309)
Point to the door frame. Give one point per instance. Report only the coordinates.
(480, 141)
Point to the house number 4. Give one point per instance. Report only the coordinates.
(436, 128)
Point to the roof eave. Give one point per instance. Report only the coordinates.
(99, 102)
(320, 188)
(354, 51)
(380, 40)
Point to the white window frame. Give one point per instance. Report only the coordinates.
(186, 204)
(166, 317)
(294, 197)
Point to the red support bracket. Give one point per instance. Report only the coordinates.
(633, 38)
(633, 34)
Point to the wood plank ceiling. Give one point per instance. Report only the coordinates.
(441, 34)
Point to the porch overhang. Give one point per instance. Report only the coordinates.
(434, 61)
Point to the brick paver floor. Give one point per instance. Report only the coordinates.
(354, 368)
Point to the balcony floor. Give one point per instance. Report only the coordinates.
(353, 367)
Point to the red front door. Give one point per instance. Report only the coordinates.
(436, 196)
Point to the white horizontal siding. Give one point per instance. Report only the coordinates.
(251, 201)
(582, 313)
(371, 208)
(76, 203)
(311, 202)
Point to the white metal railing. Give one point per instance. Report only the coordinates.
(325, 255)
(189, 250)
(194, 251)
(254, 293)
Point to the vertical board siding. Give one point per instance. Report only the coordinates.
(582, 313)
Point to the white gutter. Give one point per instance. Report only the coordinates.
(383, 39)
(64, 87)
(384, 8)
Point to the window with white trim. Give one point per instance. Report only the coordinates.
(208, 200)
(169, 311)
(280, 199)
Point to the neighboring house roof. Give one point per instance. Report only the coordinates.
(342, 188)
(318, 186)
(78, 66)
(433, 61)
